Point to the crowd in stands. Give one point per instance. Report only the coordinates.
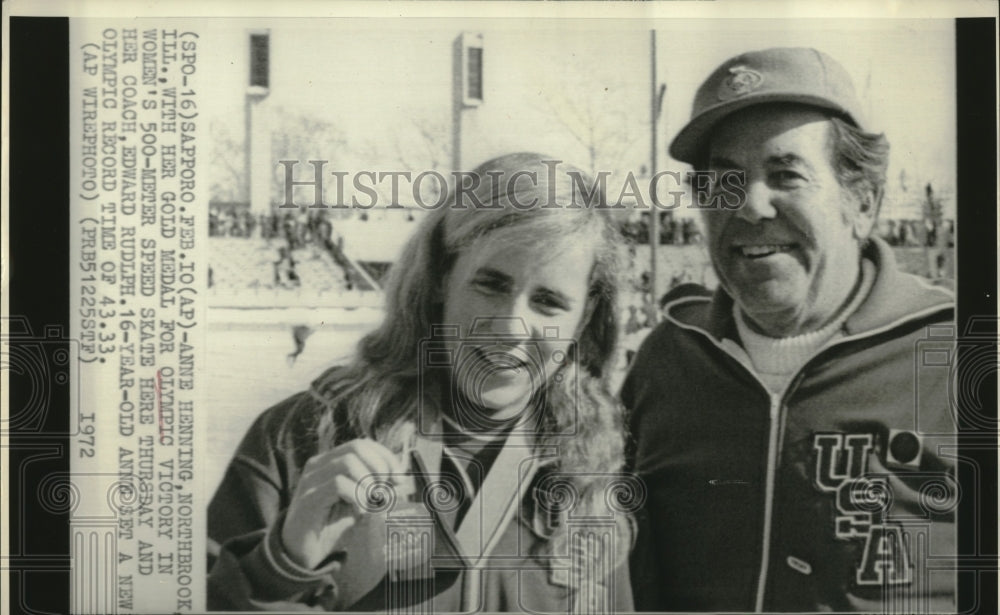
(673, 231)
(918, 233)
(294, 231)
(299, 229)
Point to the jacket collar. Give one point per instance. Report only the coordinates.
(895, 297)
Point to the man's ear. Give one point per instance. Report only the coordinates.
(864, 217)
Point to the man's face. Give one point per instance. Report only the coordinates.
(788, 255)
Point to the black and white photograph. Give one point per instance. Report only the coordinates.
(507, 307)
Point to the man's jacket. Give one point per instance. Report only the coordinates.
(838, 494)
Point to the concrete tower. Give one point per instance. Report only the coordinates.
(258, 126)
(467, 89)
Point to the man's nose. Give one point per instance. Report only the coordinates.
(757, 203)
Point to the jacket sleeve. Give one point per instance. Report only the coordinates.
(643, 562)
(253, 573)
(248, 567)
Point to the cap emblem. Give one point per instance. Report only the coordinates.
(741, 81)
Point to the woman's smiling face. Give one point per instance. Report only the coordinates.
(526, 303)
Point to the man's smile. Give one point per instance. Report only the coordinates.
(762, 250)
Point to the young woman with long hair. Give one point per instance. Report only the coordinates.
(468, 457)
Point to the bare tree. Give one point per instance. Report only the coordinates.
(294, 136)
(227, 166)
(594, 112)
(424, 144)
(303, 137)
(419, 143)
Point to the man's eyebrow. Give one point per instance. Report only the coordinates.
(787, 160)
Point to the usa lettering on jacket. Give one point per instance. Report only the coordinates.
(862, 502)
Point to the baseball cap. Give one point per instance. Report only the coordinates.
(782, 74)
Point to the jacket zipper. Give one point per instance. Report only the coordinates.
(774, 429)
(770, 476)
(773, 445)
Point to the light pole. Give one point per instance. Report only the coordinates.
(657, 92)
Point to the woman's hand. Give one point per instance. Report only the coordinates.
(325, 502)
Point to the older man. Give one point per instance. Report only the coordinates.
(789, 435)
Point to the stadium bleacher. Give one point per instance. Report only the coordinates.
(248, 263)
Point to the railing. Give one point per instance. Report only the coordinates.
(270, 297)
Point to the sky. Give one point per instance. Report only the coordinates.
(549, 81)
